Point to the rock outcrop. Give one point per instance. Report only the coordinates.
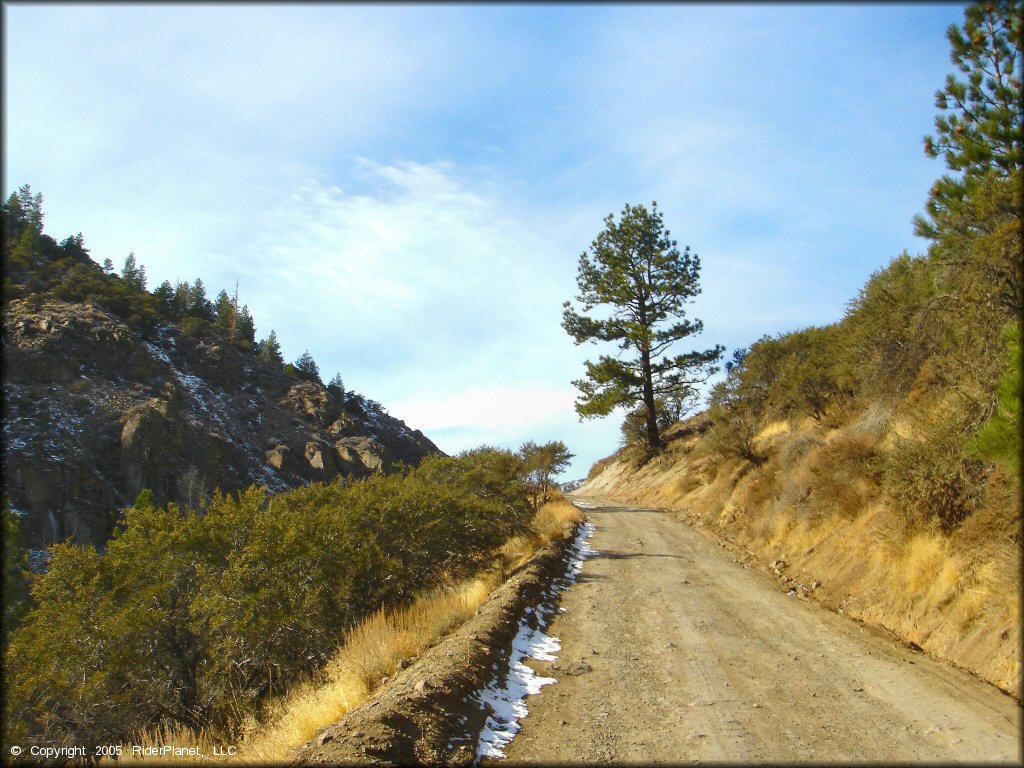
(94, 413)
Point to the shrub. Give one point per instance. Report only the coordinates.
(845, 473)
(733, 434)
(1000, 437)
(931, 479)
(194, 616)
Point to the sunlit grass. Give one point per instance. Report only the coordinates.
(371, 652)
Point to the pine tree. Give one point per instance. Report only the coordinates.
(198, 305)
(24, 218)
(974, 217)
(306, 367)
(108, 266)
(164, 293)
(269, 351)
(26, 209)
(134, 274)
(74, 245)
(636, 270)
(980, 128)
(224, 312)
(246, 327)
(182, 297)
(336, 386)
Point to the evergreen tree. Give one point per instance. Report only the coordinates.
(224, 311)
(198, 305)
(108, 266)
(74, 245)
(25, 209)
(269, 351)
(164, 294)
(182, 298)
(306, 368)
(246, 330)
(23, 219)
(336, 385)
(974, 218)
(134, 274)
(1002, 438)
(980, 127)
(636, 270)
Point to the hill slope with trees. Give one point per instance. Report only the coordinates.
(879, 456)
(110, 389)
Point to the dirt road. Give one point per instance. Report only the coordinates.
(672, 651)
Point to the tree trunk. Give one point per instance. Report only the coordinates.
(653, 438)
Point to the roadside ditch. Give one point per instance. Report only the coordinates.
(461, 700)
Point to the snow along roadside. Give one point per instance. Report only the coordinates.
(426, 713)
(505, 696)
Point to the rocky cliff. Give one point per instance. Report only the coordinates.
(95, 411)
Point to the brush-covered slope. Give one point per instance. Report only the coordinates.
(878, 456)
(110, 389)
(815, 503)
(874, 463)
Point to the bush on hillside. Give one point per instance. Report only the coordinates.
(1000, 438)
(194, 616)
(931, 480)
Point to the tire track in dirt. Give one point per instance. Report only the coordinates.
(672, 651)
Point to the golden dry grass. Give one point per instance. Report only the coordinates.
(555, 520)
(370, 652)
(817, 503)
(926, 567)
(163, 736)
(773, 428)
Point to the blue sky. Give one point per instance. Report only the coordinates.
(405, 190)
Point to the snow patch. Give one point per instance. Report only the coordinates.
(506, 699)
(505, 696)
(158, 353)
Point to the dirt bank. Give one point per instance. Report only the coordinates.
(814, 506)
(424, 713)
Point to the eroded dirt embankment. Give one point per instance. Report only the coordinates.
(425, 713)
(955, 597)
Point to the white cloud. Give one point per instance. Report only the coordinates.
(500, 414)
(411, 243)
(224, 142)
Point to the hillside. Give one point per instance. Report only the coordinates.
(874, 463)
(813, 514)
(110, 389)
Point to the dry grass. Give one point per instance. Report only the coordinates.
(774, 428)
(924, 564)
(369, 653)
(166, 735)
(555, 520)
(816, 502)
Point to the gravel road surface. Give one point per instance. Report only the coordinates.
(672, 651)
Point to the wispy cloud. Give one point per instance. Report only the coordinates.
(404, 189)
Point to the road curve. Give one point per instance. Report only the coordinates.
(672, 651)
